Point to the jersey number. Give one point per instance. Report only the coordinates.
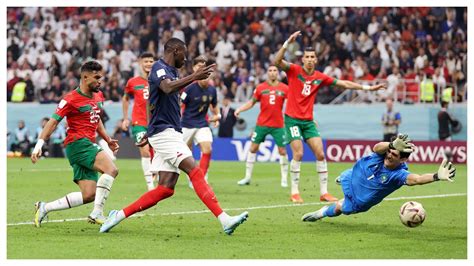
(294, 131)
(306, 90)
(146, 93)
(272, 98)
(94, 115)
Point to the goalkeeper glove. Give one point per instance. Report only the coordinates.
(402, 144)
(446, 171)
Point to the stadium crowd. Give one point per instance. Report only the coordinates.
(406, 46)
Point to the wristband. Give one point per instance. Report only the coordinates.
(38, 146)
(285, 45)
(366, 87)
(435, 177)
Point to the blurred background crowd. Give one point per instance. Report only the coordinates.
(414, 50)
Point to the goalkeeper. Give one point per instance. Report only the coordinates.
(375, 176)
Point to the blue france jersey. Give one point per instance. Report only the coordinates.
(370, 182)
(197, 101)
(164, 108)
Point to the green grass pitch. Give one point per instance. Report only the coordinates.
(274, 230)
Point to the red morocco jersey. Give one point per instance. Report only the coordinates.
(302, 91)
(271, 100)
(82, 114)
(139, 89)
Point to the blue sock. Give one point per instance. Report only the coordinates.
(331, 211)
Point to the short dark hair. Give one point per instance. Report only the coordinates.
(45, 119)
(309, 49)
(91, 66)
(444, 104)
(403, 155)
(146, 55)
(173, 43)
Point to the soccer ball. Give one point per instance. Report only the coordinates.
(412, 214)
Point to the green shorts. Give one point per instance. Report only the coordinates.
(278, 134)
(297, 129)
(138, 132)
(81, 155)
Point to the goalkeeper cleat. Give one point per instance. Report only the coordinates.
(296, 198)
(327, 197)
(96, 218)
(110, 222)
(313, 216)
(338, 180)
(243, 182)
(234, 222)
(40, 213)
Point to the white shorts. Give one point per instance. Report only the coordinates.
(197, 135)
(170, 150)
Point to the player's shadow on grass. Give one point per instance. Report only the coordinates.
(434, 233)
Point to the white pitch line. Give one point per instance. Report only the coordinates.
(249, 208)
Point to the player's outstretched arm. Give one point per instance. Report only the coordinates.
(215, 110)
(168, 86)
(402, 143)
(446, 172)
(248, 105)
(125, 105)
(45, 134)
(113, 143)
(347, 84)
(279, 62)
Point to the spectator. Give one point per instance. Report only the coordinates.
(228, 119)
(446, 123)
(21, 141)
(391, 119)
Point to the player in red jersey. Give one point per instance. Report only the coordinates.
(137, 88)
(304, 83)
(271, 94)
(82, 108)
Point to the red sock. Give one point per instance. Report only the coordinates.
(204, 163)
(149, 199)
(152, 152)
(204, 191)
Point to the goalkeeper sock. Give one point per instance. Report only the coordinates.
(330, 211)
(71, 200)
(146, 172)
(104, 185)
(204, 191)
(284, 167)
(295, 176)
(251, 157)
(149, 199)
(322, 168)
(204, 162)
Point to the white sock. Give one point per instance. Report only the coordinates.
(251, 157)
(146, 172)
(120, 215)
(284, 166)
(71, 200)
(104, 185)
(322, 168)
(223, 218)
(295, 176)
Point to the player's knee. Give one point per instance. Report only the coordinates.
(320, 156)
(113, 171)
(88, 196)
(298, 155)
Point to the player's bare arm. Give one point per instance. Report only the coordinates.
(168, 86)
(248, 105)
(125, 105)
(279, 62)
(346, 84)
(446, 172)
(113, 143)
(45, 134)
(216, 114)
(402, 143)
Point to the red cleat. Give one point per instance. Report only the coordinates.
(296, 198)
(327, 197)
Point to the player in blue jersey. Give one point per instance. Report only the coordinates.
(197, 99)
(375, 176)
(164, 135)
